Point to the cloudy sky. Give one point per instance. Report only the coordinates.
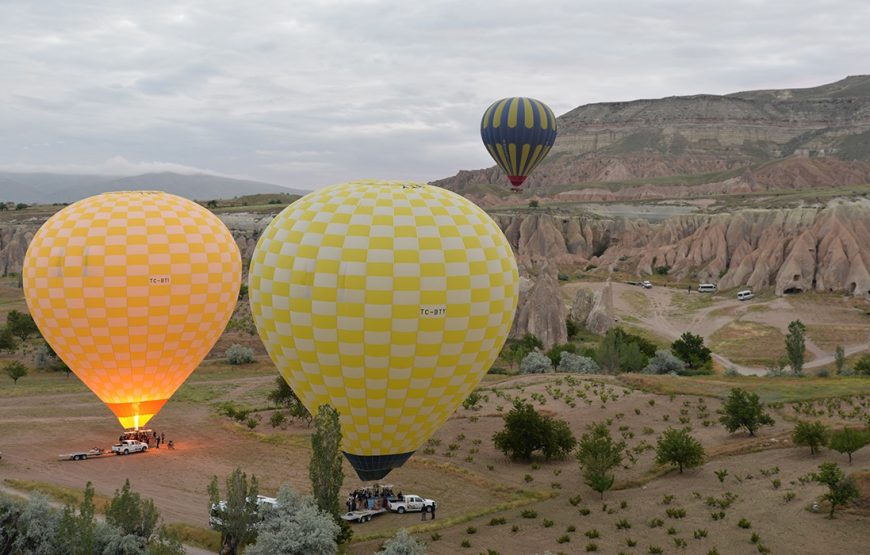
(307, 93)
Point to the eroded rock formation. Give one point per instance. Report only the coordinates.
(800, 249)
(541, 310)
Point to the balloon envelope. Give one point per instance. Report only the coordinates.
(388, 301)
(131, 290)
(518, 133)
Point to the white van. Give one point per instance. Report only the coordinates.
(706, 288)
(744, 295)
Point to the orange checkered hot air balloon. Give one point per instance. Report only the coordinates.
(131, 290)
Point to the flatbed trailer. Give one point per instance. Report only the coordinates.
(82, 455)
(363, 515)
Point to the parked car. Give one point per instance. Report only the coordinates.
(410, 503)
(646, 284)
(744, 295)
(707, 288)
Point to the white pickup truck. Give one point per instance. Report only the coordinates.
(129, 446)
(412, 503)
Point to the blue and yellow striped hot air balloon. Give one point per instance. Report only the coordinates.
(518, 133)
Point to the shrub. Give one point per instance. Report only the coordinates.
(547, 523)
(497, 521)
(536, 363)
(472, 402)
(744, 523)
(529, 513)
(862, 367)
(238, 354)
(592, 534)
(555, 353)
(664, 362)
(277, 419)
(403, 544)
(471, 530)
(577, 364)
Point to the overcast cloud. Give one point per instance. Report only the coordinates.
(305, 94)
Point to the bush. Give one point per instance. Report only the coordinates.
(472, 402)
(296, 525)
(664, 362)
(862, 367)
(555, 353)
(238, 354)
(277, 419)
(536, 363)
(577, 364)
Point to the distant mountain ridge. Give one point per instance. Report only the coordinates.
(51, 188)
(640, 142)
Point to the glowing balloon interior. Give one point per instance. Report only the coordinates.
(388, 301)
(518, 133)
(131, 290)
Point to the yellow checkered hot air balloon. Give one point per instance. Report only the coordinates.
(131, 290)
(388, 301)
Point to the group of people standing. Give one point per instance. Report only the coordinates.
(373, 498)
